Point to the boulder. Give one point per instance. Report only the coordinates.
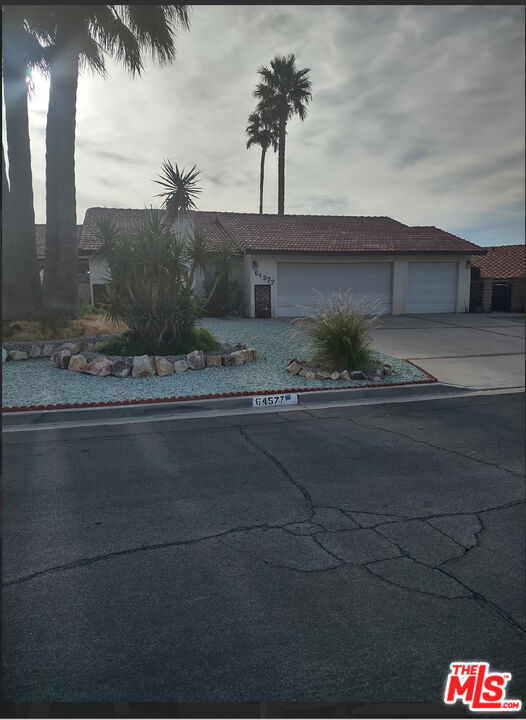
(143, 366)
(121, 367)
(345, 375)
(196, 360)
(163, 366)
(61, 359)
(293, 368)
(85, 346)
(17, 355)
(48, 350)
(387, 370)
(249, 354)
(227, 360)
(322, 375)
(74, 348)
(335, 375)
(35, 351)
(77, 363)
(357, 375)
(213, 361)
(378, 374)
(239, 357)
(100, 366)
(180, 366)
(4, 355)
(306, 373)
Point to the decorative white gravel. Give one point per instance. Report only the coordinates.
(38, 382)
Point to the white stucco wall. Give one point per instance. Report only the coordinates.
(266, 272)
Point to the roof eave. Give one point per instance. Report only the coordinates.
(468, 251)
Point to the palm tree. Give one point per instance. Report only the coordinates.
(81, 36)
(181, 190)
(262, 130)
(284, 91)
(20, 52)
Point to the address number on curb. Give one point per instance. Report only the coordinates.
(267, 400)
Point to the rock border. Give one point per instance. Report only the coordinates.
(301, 368)
(81, 356)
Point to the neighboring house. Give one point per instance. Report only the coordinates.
(497, 279)
(84, 283)
(284, 259)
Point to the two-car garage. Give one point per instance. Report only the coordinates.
(298, 284)
(421, 287)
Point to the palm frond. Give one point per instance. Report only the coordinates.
(181, 189)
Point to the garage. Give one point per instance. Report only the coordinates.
(431, 287)
(297, 284)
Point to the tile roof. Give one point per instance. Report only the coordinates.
(292, 234)
(296, 234)
(40, 234)
(502, 262)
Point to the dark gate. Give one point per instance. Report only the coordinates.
(262, 301)
(500, 301)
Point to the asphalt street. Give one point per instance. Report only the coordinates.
(341, 554)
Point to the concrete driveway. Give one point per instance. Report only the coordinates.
(468, 350)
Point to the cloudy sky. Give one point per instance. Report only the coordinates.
(417, 113)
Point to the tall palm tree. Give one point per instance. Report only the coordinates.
(262, 130)
(82, 36)
(284, 91)
(20, 52)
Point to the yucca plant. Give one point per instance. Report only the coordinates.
(339, 330)
(150, 281)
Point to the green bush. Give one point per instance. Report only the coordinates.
(131, 344)
(339, 331)
(51, 321)
(150, 287)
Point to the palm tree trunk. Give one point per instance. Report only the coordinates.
(61, 275)
(281, 165)
(8, 290)
(21, 285)
(262, 178)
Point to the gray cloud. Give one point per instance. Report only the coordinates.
(417, 113)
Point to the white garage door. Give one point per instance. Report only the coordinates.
(298, 282)
(431, 287)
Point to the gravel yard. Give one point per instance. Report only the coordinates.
(37, 382)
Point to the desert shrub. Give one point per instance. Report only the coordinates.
(339, 331)
(51, 321)
(150, 285)
(8, 329)
(130, 344)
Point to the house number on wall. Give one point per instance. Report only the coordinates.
(265, 278)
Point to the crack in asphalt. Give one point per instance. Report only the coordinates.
(281, 467)
(450, 537)
(435, 447)
(490, 605)
(83, 562)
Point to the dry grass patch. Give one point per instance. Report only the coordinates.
(92, 324)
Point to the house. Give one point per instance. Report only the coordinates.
(498, 279)
(84, 284)
(283, 260)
